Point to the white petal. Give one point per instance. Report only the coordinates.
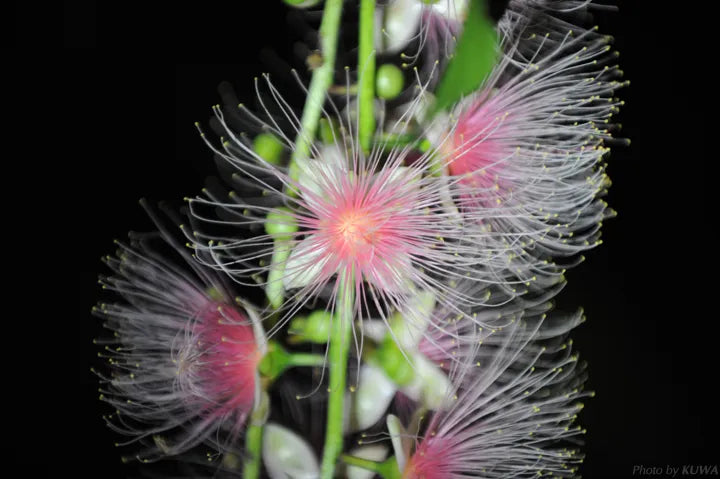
(418, 109)
(414, 389)
(332, 155)
(303, 266)
(396, 278)
(374, 329)
(373, 396)
(261, 408)
(402, 19)
(399, 173)
(287, 455)
(438, 133)
(454, 10)
(375, 452)
(258, 331)
(401, 440)
(431, 386)
(415, 319)
(317, 174)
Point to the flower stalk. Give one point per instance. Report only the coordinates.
(387, 469)
(320, 82)
(253, 448)
(366, 72)
(278, 360)
(338, 353)
(322, 78)
(254, 435)
(281, 226)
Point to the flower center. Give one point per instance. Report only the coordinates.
(473, 159)
(478, 154)
(227, 357)
(356, 228)
(424, 465)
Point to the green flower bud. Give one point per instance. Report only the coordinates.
(389, 81)
(269, 147)
(314, 329)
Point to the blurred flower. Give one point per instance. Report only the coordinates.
(513, 415)
(184, 354)
(526, 150)
(414, 363)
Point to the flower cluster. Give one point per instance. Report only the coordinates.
(428, 226)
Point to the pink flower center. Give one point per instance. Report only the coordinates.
(476, 153)
(428, 464)
(355, 234)
(368, 225)
(227, 357)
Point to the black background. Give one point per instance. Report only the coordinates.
(79, 23)
(114, 124)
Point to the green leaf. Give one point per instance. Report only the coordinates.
(474, 58)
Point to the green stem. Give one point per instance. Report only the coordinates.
(306, 359)
(253, 447)
(320, 82)
(392, 140)
(322, 78)
(338, 353)
(360, 462)
(277, 360)
(366, 72)
(254, 436)
(387, 469)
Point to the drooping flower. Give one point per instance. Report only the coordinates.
(526, 150)
(184, 354)
(512, 418)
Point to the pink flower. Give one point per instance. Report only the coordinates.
(369, 224)
(184, 354)
(526, 152)
(511, 417)
(477, 148)
(434, 349)
(393, 228)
